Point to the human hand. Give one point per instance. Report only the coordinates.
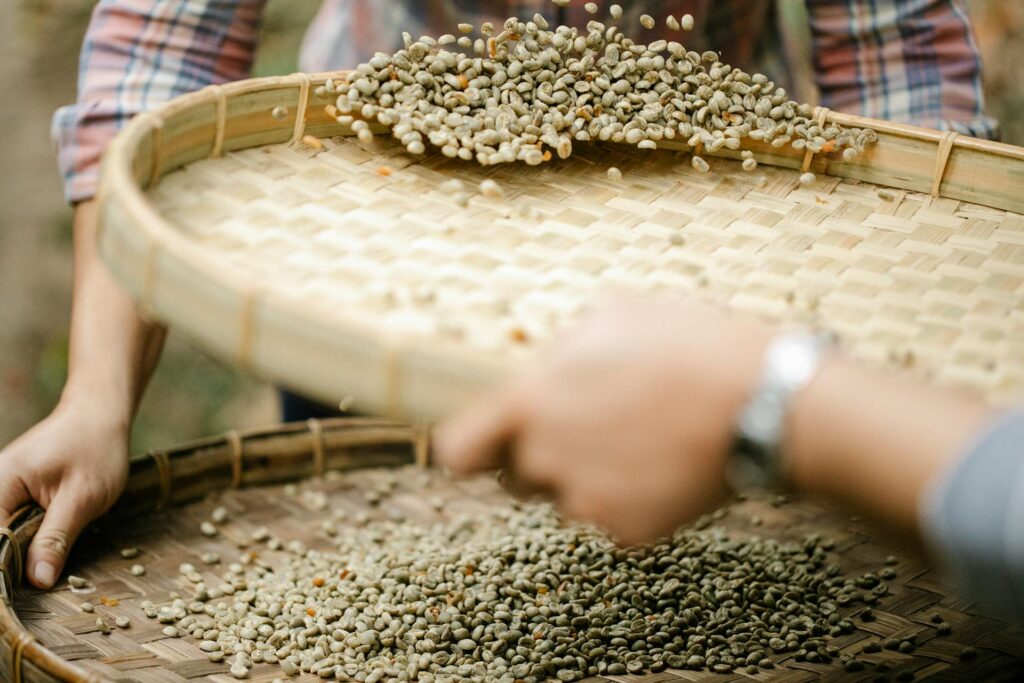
(74, 464)
(626, 420)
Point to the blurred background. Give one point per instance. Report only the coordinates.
(193, 395)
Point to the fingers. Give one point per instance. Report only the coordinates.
(513, 482)
(627, 527)
(65, 518)
(12, 496)
(478, 438)
(523, 484)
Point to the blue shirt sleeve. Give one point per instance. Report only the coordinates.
(974, 519)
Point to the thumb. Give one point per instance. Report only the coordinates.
(64, 520)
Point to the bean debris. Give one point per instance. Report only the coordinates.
(77, 582)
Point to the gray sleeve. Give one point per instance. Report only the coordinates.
(974, 518)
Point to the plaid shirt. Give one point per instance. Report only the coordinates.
(903, 60)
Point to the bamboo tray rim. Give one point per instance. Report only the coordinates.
(281, 453)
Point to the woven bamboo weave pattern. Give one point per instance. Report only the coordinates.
(349, 271)
(368, 234)
(142, 653)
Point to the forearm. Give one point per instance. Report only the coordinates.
(113, 351)
(924, 461)
(876, 440)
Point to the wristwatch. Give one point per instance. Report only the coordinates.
(790, 363)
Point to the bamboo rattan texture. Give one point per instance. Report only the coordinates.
(63, 644)
(344, 269)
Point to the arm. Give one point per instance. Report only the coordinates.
(113, 351)
(911, 62)
(877, 440)
(74, 463)
(923, 461)
(627, 421)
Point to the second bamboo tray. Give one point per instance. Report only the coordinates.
(342, 269)
(46, 638)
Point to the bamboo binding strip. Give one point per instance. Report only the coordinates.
(44, 637)
(219, 219)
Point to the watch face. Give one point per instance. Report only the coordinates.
(793, 360)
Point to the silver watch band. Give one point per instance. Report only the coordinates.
(790, 363)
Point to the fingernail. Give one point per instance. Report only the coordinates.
(46, 573)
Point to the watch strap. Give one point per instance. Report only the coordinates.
(790, 363)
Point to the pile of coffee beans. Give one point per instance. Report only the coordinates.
(526, 92)
(516, 594)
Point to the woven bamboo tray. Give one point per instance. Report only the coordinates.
(341, 269)
(45, 637)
